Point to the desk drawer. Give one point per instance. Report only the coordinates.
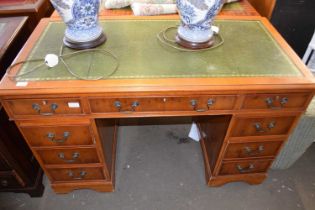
(76, 174)
(244, 167)
(200, 103)
(9, 179)
(68, 156)
(152, 104)
(259, 126)
(126, 105)
(44, 107)
(58, 135)
(252, 149)
(3, 165)
(275, 101)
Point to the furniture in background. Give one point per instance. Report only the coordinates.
(263, 7)
(245, 114)
(12, 33)
(240, 8)
(309, 55)
(19, 170)
(33, 9)
(294, 19)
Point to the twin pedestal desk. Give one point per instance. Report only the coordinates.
(246, 96)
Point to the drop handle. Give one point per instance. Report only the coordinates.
(271, 125)
(52, 137)
(134, 104)
(82, 174)
(258, 151)
(194, 104)
(282, 101)
(259, 128)
(269, 102)
(210, 102)
(75, 157)
(37, 108)
(4, 183)
(246, 169)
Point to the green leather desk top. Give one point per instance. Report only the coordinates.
(233, 6)
(248, 51)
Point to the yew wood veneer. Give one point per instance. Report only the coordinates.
(243, 120)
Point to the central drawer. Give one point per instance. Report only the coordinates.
(152, 104)
(68, 156)
(200, 103)
(126, 105)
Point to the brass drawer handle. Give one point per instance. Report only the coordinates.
(260, 129)
(194, 104)
(51, 137)
(37, 108)
(82, 174)
(282, 101)
(250, 152)
(134, 104)
(4, 183)
(245, 170)
(271, 125)
(75, 156)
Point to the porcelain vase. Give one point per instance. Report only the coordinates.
(196, 21)
(81, 19)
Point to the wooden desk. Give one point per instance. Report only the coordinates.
(246, 97)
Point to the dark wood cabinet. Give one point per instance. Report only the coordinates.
(35, 10)
(294, 19)
(19, 170)
(12, 33)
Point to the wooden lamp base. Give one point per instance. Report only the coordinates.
(193, 45)
(85, 45)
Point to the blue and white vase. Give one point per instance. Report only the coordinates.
(81, 19)
(196, 19)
